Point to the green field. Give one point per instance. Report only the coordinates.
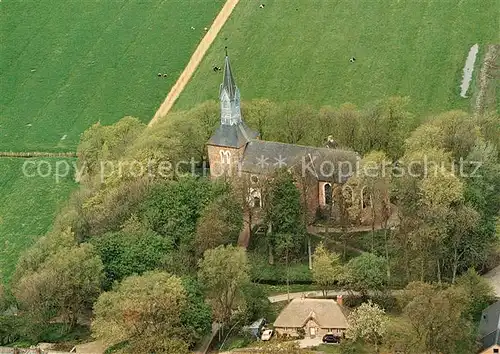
(300, 50)
(65, 65)
(93, 60)
(27, 205)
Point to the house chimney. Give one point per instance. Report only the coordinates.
(340, 301)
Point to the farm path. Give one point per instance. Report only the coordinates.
(195, 60)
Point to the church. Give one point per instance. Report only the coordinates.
(235, 151)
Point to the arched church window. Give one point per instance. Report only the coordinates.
(255, 198)
(225, 156)
(364, 197)
(348, 193)
(256, 202)
(328, 193)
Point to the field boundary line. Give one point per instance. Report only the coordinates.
(488, 73)
(195, 60)
(27, 154)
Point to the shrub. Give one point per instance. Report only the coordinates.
(386, 301)
(301, 332)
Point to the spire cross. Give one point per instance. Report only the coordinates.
(225, 49)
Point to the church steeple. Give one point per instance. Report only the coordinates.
(229, 97)
(232, 132)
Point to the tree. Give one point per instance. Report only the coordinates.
(343, 200)
(479, 292)
(33, 258)
(462, 222)
(368, 323)
(224, 271)
(384, 126)
(283, 245)
(489, 128)
(3, 297)
(197, 316)
(220, 223)
(144, 311)
(180, 137)
(452, 131)
(13, 328)
(326, 268)
(440, 194)
(483, 194)
(172, 209)
(346, 126)
(366, 273)
(257, 304)
(133, 250)
(400, 337)
(258, 113)
(429, 199)
(293, 123)
(65, 285)
(375, 184)
(437, 319)
(102, 143)
(448, 210)
(283, 212)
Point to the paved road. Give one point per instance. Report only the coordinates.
(195, 60)
(203, 347)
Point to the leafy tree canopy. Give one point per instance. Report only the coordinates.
(146, 311)
(224, 271)
(366, 272)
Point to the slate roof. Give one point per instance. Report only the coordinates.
(228, 82)
(325, 164)
(325, 312)
(234, 136)
(489, 327)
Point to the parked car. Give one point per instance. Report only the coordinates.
(331, 338)
(266, 334)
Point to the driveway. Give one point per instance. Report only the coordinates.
(309, 342)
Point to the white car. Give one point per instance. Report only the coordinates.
(267, 334)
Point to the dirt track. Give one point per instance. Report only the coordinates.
(195, 60)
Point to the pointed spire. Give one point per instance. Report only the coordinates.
(228, 83)
(232, 132)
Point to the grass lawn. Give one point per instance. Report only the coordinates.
(300, 50)
(27, 207)
(65, 65)
(329, 349)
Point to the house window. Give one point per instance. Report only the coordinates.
(495, 350)
(328, 193)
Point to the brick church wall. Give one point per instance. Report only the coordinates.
(217, 166)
